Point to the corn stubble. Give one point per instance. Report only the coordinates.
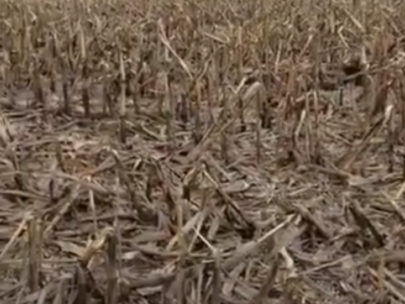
(202, 151)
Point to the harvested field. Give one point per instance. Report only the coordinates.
(202, 151)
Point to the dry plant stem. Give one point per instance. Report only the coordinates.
(141, 77)
(216, 277)
(59, 157)
(291, 95)
(179, 229)
(309, 134)
(93, 248)
(179, 283)
(85, 91)
(35, 254)
(396, 207)
(317, 157)
(239, 50)
(402, 135)
(166, 189)
(65, 90)
(202, 217)
(18, 177)
(164, 294)
(191, 181)
(128, 80)
(199, 284)
(122, 101)
(108, 104)
(197, 86)
(210, 93)
(253, 246)
(67, 203)
(397, 282)
(313, 220)
(391, 137)
(164, 39)
(326, 266)
(170, 110)
(5, 134)
(241, 111)
(111, 269)
(92, 206)
(182, 111)
(259, 109)
(53, 74)
(214, 131)
(268, 283)
(80, 294)
(60, 292)
(349, 158)
(37, 85)
(150, 183)
(368, 93)
(197, 114)
(136, 91)
(179, 238)
(234, 207)
(381, 96)
(85, 73)
(52, 186)
(153, 280)
(224, 134)
(216, 280)
(130, 185)
(13, 239)
(388, 285)
(365, 223)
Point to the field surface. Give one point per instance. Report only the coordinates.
(185, 151)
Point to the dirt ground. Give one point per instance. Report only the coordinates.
(202, 152)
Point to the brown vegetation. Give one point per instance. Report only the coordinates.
(207, 151)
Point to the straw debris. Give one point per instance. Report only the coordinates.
(184, 151)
